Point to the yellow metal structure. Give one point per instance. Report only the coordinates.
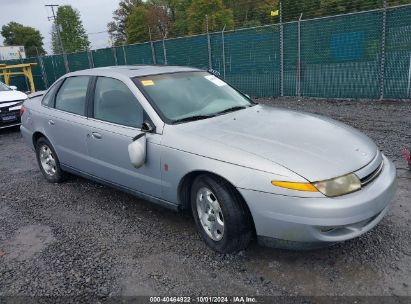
(18, 69)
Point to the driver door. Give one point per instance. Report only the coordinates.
(116, 119)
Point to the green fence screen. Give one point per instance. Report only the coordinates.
(358, 55)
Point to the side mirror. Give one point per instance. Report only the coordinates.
(14, 88)
(137, 149)
(147, 127)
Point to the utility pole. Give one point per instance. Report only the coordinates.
(52, 6)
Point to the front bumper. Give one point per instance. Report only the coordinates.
(322, 219)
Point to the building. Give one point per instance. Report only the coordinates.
(12, 52)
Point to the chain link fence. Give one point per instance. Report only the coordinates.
(358, 55)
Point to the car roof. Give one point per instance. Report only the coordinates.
(132, 70)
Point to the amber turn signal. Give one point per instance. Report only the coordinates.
(295, 186)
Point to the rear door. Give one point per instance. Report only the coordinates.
(115, 118)
(66, 122)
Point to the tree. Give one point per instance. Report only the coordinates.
(218, 16)
(170, 18)
(180, 25)
(117, 27)
(72, 33)
(17, 34)
(160, 18)
(250, 12)
(136, 27)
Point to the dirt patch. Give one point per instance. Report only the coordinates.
(27, 242)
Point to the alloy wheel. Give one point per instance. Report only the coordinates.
(210, 213)
(47, 160)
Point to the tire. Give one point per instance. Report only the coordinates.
(50, 168)
(237, 230)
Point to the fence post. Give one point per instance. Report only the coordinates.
(223, 46)
(90, 59)
(210, 64)
(383, 38)
(25, 78)
(54, 67)
(164, 52)
(66, 64)
(113, 49)
(298, 78)
(125, 55)
(409, 78)
(281, 52)
(153, 54)
(43, 72)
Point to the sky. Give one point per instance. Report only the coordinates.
(95, 15)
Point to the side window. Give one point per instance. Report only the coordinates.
(48, 99)
(72, 95)
(114, 102)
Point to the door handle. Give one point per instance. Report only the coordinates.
(51, 122)
(96, 135)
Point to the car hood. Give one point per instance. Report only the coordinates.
(314, 147)
(6, 96)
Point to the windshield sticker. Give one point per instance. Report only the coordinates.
(147, 82)
(215, 80)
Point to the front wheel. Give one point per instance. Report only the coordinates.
(220, 215)
(48, 161)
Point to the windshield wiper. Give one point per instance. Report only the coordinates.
(199, 117)
(232, 109)
(192, 118)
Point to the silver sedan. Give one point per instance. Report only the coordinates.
(185, 139)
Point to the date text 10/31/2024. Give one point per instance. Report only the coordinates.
(205, 299)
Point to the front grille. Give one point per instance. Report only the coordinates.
(373, 175)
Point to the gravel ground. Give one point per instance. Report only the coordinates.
(80, 238)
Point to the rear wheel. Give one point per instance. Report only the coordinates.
(48, 161)
(220, 215)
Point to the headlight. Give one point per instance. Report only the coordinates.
(332, 187)
(340, 185)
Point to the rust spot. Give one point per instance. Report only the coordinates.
(165, 167)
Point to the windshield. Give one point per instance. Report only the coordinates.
(184, 95)
(3, 87)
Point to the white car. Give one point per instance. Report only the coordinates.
(10, 105)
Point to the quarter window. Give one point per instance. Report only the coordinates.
(72, 95)
(114, 102)
(48, 99)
